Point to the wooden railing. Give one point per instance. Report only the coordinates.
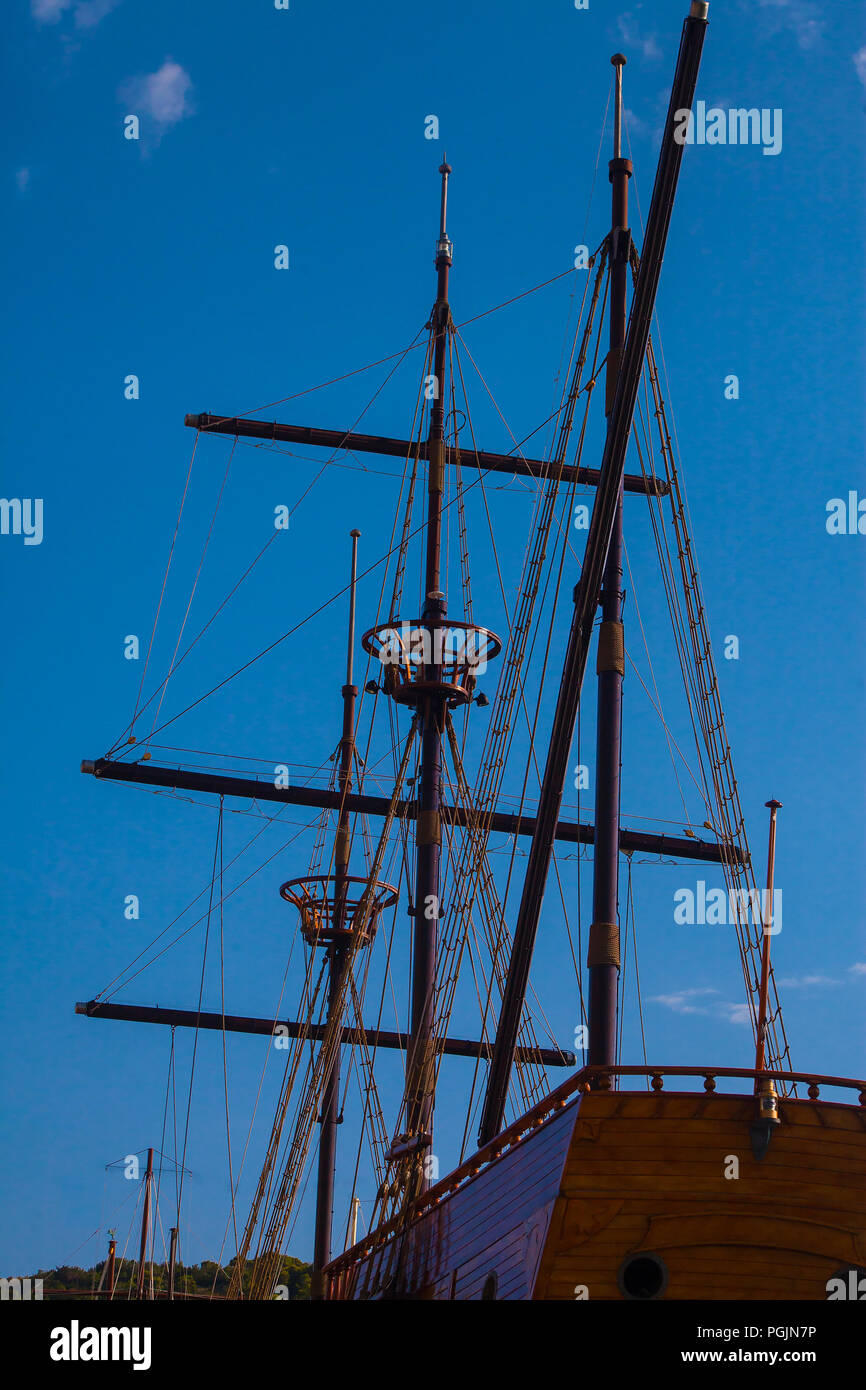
(604, 1075)
(584, 1081)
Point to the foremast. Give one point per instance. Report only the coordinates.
(338, 958)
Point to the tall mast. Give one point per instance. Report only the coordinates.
(431, 715)
(337, 958)
(588, 590)
(603, 956)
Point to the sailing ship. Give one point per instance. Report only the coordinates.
(632, 1182)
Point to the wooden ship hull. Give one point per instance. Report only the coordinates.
(625, 1194)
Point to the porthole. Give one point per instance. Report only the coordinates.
(642, 1276)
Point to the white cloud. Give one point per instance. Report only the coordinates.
(628, 31)
(636, 125)
(87, 13)
(163, 95)
(735, 1013)
(807, 981)
(49, 11)
(22, 180)
(682, 1002)
(653, 127)
(802, 16)
(859, 61)
(859, 968)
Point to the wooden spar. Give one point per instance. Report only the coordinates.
(407, 448)
(500, 822)
(145, 1227)
(603, 955)
(337, 964)
(588, 590)
(313, 1032)
(418, 1095)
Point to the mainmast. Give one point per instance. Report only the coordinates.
(430, 708)
(603, 955)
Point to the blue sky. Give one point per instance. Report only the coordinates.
(156, 258)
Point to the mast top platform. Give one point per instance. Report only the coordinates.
(429, 656)
(331, 907)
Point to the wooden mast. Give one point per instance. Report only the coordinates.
(420, 1071)
(337, 961)
(603, 956)
(587, 592)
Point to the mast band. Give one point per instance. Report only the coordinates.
(611, 648)
(341, 845)
(437, 465)
(603, 944)
(429, 830)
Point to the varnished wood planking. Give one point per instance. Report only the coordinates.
(705, 1114)
(496, 1214)
(649, 1153)
(702, 1273)
(487, 1216)
(605, 1185)
(800, 1139)
(712, 1167)
(510, 1271)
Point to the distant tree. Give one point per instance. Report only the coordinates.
(71, 1281)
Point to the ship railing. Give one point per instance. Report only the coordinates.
(588, 1079)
